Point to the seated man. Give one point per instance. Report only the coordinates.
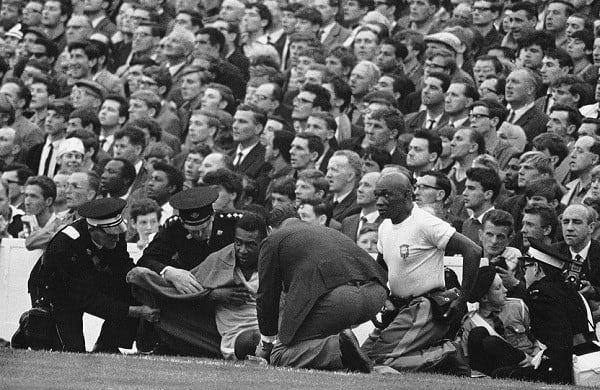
(83, 271)
(219, 319)
(496, 336)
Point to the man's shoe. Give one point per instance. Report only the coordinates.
(353, 358)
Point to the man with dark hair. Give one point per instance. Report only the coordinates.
(305, 150)
(54, 16)
(257, 19)
(14, 176)
(277, 159)
(584, 156)
(229, 185)
(249, 155)
(539, 224)
(557, 13)
(432, 97)
(117, 177)
(311, 98)
(308, 19)
(486, 117)
(189, 20)
(163, 182)
(365, 198)
(432, 190)
(423, 151)
(481, 190)
(556, 64)
(485, 12)
(43, 91)
(39, 196)
(422, 17)
(382, 128)
(485, 67)
(97, 12)
(532, 47)
(521, 20)
(554, 146)
(113, 113)
(332, 33)
(130, 143)
(458, 101)
(564, 121)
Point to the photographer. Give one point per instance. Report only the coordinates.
(578, 222)
(495, 234)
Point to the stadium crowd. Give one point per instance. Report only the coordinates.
(399, 131)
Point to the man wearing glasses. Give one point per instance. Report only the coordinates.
(485, 117)
(485, 14)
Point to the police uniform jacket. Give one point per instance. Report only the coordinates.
(557, 314)
(82, 277)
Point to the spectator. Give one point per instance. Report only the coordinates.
(145, 217)
(39, 196)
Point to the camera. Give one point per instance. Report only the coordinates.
(499, 261)
(573, 274)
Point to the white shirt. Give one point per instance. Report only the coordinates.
(414, 252)
(583, 253)
(244, 152)
(589, 111)
(459, 122)
(53, 157)
(326, 30)
(173, 69)
(274, 36)
(138, 166)
(340, 198)
(371, 218)
(436, 120)
(520, 112)
(166, 212)
(97, 21)
(480, 218)
(108, 141)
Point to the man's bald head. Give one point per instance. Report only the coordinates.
(396, 181)
(582, 210)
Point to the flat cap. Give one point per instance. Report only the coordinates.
(194, 205)
(447, 39)
(91, 86)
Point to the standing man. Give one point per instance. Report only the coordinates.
(83, 271)
(343, 174)
(521, 90)
(365, 198)
(584, 156)
(423, 152)
(432, 97)
(481, 190)
(332, 33)
(458, 101)
(411, 245)
(333, 283)
(248, 124)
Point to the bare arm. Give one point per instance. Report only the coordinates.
(471, 259)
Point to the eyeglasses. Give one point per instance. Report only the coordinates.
(32, 10)
(478, 116)
(481, 9)
(432, 65)
(37, 55)
(12, 181)
(142, 35)
(147, 83)
(378, 3)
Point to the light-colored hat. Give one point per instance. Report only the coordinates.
(447, 39)
(71, 145)
(15, 32)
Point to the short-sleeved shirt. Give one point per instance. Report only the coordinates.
(414, 252)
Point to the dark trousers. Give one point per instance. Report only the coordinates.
(316, 343)
(490, 353)
(114, 333)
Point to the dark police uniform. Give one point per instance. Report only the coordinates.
(77, 276)
(558, 319)
(174, 246)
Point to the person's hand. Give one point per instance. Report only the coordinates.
(263, 350)
(182, 280)
(508, 277)
(145, 312)
(586, 289)
(233, 295)
(526, 362)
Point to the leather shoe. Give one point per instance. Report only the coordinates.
(353, 358)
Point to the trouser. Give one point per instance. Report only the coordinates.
(316, 343)
(187, 327)
(488, 353)
(114, 333)
(412, 341)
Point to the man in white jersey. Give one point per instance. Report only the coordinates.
(411, 246)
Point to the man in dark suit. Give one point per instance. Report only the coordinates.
(333, 284)
(249, 155)
(343, 173)
(577, 225)
(432, 97)
(521, 90)
(96, 11)
(332, 33)
(365, 198)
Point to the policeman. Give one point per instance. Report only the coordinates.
(559, 314)
(83, 271)
(188, 238)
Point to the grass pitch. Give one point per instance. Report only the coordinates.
(46, 370)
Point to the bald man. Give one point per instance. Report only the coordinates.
(521, 90)
(578, 223)
(411, 246)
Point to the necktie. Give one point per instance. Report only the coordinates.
(238, 160)
(511, 117)
(598, 114)
(48, 159)
(430, 125)
(269, 40)
(102, 141)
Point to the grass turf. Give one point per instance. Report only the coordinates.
(47, 370)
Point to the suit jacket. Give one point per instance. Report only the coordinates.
(416, 121)
(323, 166)
(346, 207)
(106, 27)
(533, 123)
(350, 225)
(251, 164)
(591, 264)
(337, 36)
(242, 62)
(306, 273)
(35, 155)
(140, 179)
(169, 122)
